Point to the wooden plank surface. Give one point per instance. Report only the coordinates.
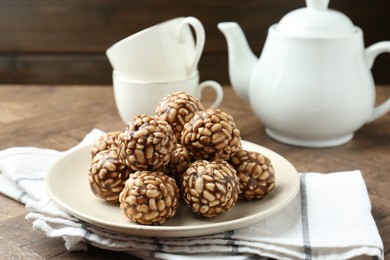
(58, 117)
(50, 41)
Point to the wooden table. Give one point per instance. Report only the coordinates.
(58, 117)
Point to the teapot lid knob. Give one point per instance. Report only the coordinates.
(317, 4)
(316, 19)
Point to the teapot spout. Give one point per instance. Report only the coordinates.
(241, 59)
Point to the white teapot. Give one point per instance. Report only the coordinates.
(312, 85)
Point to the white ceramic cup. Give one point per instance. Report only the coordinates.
(166, 51)
(138, 97)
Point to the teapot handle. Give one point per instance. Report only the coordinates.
(370, 54)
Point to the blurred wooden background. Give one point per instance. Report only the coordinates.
(64, 41)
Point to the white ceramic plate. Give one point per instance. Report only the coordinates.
(67, 183)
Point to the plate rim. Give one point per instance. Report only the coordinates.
(170, 231)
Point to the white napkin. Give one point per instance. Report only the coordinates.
(329, 219)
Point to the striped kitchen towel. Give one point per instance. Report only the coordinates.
(329, 219)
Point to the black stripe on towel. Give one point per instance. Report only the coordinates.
(21, 196)
(18, 180)
(231, 242)
(159, 246)
(87, 234)
(305, 221)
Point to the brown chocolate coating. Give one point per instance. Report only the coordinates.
(177, 109)
(105, 142)
(210, 188)
(146, 144)
(107, 175)
(256, 174)
(149, 198)
(211, 135)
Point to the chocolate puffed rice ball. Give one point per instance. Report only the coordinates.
(211, 135)
(146, 143)
(149, 198)
(177, 109)
(210, 188)
(256, 174)
(179, 163)
(107, 175)
(105, 142)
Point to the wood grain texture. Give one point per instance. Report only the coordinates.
(58, 117)
(64, 42)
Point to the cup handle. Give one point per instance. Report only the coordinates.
(371, 53)
(214, 85)
(200, 40)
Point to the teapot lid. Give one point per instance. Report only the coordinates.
(316, 20)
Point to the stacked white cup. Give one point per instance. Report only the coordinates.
(157, 61)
